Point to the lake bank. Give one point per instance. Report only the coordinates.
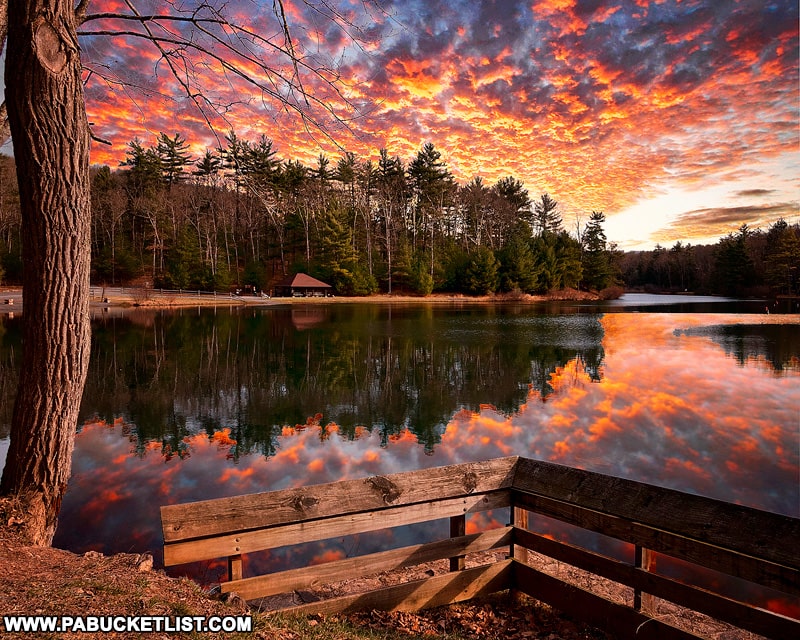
(127, 297)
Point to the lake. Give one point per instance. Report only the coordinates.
(686, 393)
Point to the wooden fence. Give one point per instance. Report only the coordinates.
(756, 546)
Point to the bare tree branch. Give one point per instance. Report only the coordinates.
(80, 11)
(290, 48)
(190, 41)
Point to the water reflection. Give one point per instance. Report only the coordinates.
(382, 368)
(188, 406)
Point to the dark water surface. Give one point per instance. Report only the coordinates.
(196, 404)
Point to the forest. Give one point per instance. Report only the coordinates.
(241, 216)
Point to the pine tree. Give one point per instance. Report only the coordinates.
(783, 257)
(207, 167)
(546, 217)
(596, 259)
(174, 157)
(260, 164)
(518, 268)
(733, 266)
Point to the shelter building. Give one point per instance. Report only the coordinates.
(302, 285)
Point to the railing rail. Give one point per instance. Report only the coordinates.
(745, 543)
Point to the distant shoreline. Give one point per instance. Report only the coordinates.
(105, 297)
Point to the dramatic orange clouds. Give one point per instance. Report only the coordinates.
(661, 114)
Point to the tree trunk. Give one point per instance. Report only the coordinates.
(51, 149)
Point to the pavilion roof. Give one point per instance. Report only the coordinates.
(302, 280)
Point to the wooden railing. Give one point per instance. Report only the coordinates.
(745, 543)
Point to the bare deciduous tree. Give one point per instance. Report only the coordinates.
(201, 45)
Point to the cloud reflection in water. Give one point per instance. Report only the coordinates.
(671, 409)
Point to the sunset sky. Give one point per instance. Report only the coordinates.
(677, 118)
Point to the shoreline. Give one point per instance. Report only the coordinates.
(133, 298)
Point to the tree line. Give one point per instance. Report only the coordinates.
(747, 262)
(241, 216)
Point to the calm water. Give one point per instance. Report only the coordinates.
(199, 404)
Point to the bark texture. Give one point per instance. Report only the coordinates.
(50, 134)
(4, 132)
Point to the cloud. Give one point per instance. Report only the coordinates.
(719, 221)
(598, 103)
(754, 193)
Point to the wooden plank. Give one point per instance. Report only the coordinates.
(644, 559)
(247, 512)
(458, 528)
(751, 532)
(316, 575)
(420, 594)
(768, 574)
(616, 619)
(740, 614)
(309, 531)
(235, 567)
(519, 518)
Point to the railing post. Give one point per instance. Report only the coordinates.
(458, 527)
(234, 567)
(519, 520)
(644, 559)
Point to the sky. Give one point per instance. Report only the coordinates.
(677, 118)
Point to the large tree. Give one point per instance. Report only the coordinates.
(50, 134)
(44, 91)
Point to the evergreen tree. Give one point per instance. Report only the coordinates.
(233, 158)
(323, 171)
(568, 251)
(546, 217)
(518, 267)
(339, 264)
(478, 222)
(172, 152)
(733, 267)
(482, 275)
(596, 259)
(558, 257)
(546, 264)
(514, 205)
(432, 185)
(259, 164)
(391, 195)
(346, 174)
(783, 257)
(421, 279)
(207, 167)
(144, 167)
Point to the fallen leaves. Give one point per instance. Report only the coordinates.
(501, 616)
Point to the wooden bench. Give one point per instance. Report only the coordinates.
(753, 545)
